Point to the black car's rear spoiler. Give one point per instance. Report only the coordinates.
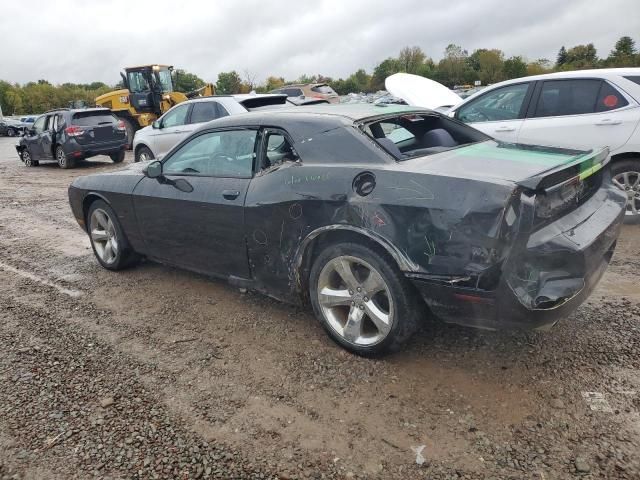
(582, 166)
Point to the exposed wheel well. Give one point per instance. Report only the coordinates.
(139, 146)
(86, 205)
(330, 237)
(625, 156)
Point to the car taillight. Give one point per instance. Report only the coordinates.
(120, 126)
(73, 131)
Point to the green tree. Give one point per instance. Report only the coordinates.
(382, 71)
(411, 59)
(514, 67)
(453, 69)
(540, 66)
(562, 57)
(623, 53)
(581, 56)
(186, 82)
(273, 83)
(228, 83)
(491, 63)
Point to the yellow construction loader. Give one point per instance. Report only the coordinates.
(148, 93)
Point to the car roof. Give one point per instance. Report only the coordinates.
(238, 96)
(592, 73)
(352, 111)
(304, 122)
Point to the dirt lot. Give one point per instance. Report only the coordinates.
(159, 373)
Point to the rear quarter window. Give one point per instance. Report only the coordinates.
(610, 99)
(91, 119)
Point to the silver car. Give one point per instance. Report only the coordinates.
(156, 140)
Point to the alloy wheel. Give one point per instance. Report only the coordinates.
(104, 236)
(26, 158)
(61, 158)
(355, 300)
(629, 182)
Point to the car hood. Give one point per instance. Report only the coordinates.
(495, 161)
(420, 91)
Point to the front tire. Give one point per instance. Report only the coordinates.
(11, 132)
(362, 300)
(27, 159)
(143, 154)
(109, 244)
(61, 158)
(117, 157)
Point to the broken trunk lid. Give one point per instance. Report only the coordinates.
(420, 91)
(526, 165)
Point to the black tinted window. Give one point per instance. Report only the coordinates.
(609, 99)
(567, 97)
(293, 92)
(325, 89)
(92, 119)
(204, 112)
(634, 79)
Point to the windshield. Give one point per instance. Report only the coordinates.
(137, 82)
(165, 80)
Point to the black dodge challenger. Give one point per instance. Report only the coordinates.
(369, 213)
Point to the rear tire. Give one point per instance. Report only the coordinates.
(130, 128)
(117, 157)
(61, 158)
(362, 300)
(143, 154)
(625, 175)
(108, 241)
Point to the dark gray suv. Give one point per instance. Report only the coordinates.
(68, 135)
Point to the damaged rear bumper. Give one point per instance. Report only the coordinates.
(543, 280)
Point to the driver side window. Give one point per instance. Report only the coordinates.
(228, 154)
(176, 117)
(38, 125)
(501, 104)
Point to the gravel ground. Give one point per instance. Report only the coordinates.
(158, 373)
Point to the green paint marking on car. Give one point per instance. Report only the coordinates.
(590, 171)
(515, 154)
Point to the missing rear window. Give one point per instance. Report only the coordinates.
(415, 135)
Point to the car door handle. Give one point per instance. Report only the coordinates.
(230, 194)
(505, 129)
(608, 121)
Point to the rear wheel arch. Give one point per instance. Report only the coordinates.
(625, 156)
(322, 237)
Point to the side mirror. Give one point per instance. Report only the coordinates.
(154, 169)
(156, 124)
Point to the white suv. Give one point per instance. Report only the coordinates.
(580, 109)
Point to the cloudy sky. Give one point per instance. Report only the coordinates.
(84, 41)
